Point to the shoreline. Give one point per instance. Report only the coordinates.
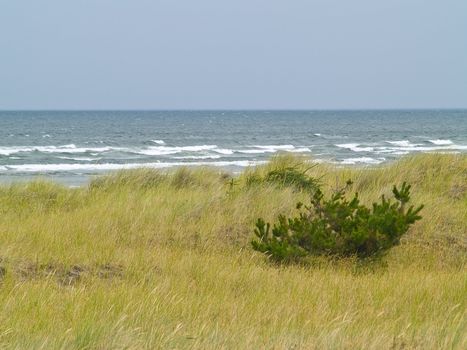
(82, 180)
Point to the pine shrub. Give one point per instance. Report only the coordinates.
(338, 227)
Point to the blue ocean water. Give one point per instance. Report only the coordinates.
(70, 146)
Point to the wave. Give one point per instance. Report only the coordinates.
(41, 168)
(404, 147)
(402, 143)
(71, 148)
(257, 149)
(159, 142)
(223, 151)
(364, 160)
(355, 147)
(198, 157)
(276, 147)
(300, 150)
(165, 150)
(441, 142)
(429, 148)
(152, 150)
(84, 159)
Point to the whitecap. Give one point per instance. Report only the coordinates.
(198, 157)
(159, 142)
(223, 151)
(112, 166)
(84, 159)
(432, 148)
(255, 151)
(355, 147)
(441, 142)
(273, 149)
(156, 151)
(365, 160)
(71, 148)
(402, 143)
(165, 150)
(276, 147)
(6, 151)
(300, 150)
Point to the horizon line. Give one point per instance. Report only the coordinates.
(229, 109)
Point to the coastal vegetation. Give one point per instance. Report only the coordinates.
(147, 259)
(337, 227)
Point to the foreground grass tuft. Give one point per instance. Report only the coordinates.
(142, 259)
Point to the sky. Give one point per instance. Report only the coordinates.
(237, 54)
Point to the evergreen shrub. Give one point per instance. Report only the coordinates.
(338, 227)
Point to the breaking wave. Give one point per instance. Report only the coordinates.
(38, 168)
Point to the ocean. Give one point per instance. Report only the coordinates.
(72, 146)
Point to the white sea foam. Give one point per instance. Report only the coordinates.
(198, 157)
(154, 151)
(6, 151)
(300, 150)
(441, 142)
(38, 168)
(402, 143)
(225, 151)
(257, 149)
(165, 150)
(276, 147)
(432, 148)
(159, 142)
(71, 148)
(84, 159)
(355, 147)
(364, 160)
(404, 147)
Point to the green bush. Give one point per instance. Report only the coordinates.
(287, 176)
(338, 227)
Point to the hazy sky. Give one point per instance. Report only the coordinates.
(194, 54)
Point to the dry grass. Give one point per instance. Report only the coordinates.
(143, 260)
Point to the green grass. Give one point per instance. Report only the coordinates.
(140, 259)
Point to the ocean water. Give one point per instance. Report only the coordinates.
(71, 146)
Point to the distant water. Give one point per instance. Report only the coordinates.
(70, 146)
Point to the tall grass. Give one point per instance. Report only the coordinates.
(141, 259)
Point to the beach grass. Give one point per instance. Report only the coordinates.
(144, 259)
